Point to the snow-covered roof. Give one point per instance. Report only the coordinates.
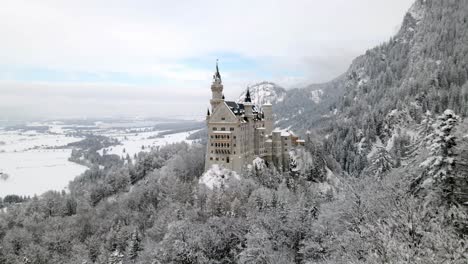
(238, 109)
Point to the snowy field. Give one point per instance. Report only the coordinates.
(134, 143)
(33, 161)
(37, 171)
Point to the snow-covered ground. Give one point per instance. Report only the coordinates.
(137, 142)
(34, 158)
(32, 162)
(13, 141)
(36, 171)
(316, 96)
(263, 93)
(217, 176)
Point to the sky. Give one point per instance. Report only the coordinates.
(147, 58)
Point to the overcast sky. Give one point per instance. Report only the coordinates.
(151, 58)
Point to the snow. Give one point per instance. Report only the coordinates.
(417, 12)
(132, 143)
(316, 96)
(33, 162)
(361, 145)
(329, 184)
(259, 163)
(218, 176)
(21, 141)
(375, 147)
(393, 112)
(36, 171)
(37, 161)
(264, 93)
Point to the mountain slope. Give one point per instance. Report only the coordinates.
(422, 68)
(264, 92)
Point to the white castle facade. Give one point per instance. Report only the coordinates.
(239, 132)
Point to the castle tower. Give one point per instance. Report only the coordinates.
(248, 106)
(217, 96)
(268, 118)
(208, 114)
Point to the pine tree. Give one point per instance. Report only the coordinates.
(440, 164)
(382, 162)
(134, 246)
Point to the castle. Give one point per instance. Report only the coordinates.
(238, 133)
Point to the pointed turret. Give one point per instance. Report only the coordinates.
(217, 96)
(248, 107)
(208, 115)
(217, 74)
(247, 97)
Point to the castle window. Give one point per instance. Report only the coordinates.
(222, 118)
(234, 145)
(215, 128)
(228, 137)
(211, 144)
(232, 129)
(211, 136)
(211, 158)
(227, 160)
(223, 129)
(217, 158)
(234, 137)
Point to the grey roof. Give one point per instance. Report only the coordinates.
(238, 109)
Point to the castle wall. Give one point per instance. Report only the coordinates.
(268, 119)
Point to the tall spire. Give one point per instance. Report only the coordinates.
(247, 97)
(217, 74)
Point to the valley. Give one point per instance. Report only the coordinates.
(35, 157)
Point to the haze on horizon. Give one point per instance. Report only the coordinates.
(156, 58)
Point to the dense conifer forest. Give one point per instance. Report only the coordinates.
(383, 178)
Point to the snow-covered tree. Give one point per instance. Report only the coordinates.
(382, 161)
(439, 166)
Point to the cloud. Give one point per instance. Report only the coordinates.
(161, 44)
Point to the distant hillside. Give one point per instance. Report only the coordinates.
(424, 67)
(264, 92)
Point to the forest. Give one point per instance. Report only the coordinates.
(383, 176)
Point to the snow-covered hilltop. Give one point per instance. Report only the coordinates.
(264, 92)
